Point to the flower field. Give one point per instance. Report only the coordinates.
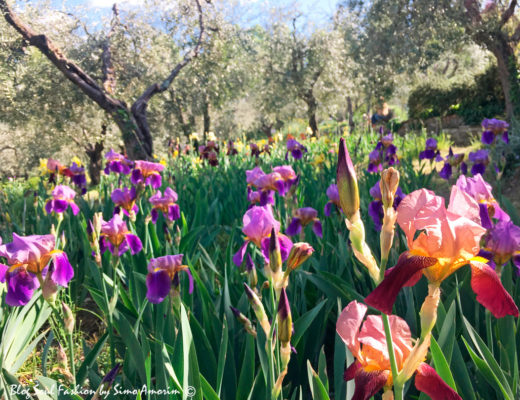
(342, 267)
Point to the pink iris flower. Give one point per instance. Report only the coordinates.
(441, 240)
(258, 223)
(62, 198)
(28, 258)
(371, 370)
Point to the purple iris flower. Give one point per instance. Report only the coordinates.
(295, 148)
(302, 217)
(375, 208)
(333, 195)
(492, 128)
(27, 258)
(452, 160)
(78, 177)
(165, 204)
(258, 223)
(480, 160)
(374, 161)
(148, 173)
(115, 236)
(481, 191)
(162, 273)
(125, 199)
(62, 198)
(117, 163)
(503, 241)
(431, 151)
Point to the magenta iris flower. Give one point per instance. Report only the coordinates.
(431, 151)
(481, 191)
(258, 223)
(125, 199)
(480, 160)
(148, 173)
(280, 180)
(295, 148)
(375, 208)
(27, 258)
(165, 204)
(162, 273)
(115, 236)
(333, 195)
(492, 128)
(303, 217)
(117, 163)
(62, 198)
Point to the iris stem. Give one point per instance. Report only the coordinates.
(398, 388)
(70, 343)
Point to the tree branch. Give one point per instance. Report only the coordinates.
(109, 79)
(140, 105)
(72, 71)
(473, 11)
(508, 13)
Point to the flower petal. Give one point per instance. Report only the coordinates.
(20, 288)
(294, 228)
(316, 227)
(63, 271)
(238, 258)
(158, 286)
(134, 243)
(428, 381)
(348, 325)
(490, 292)
(369, 383)
(383, 297)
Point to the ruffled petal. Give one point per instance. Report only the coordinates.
(134, 243)
(174, 212)
(488, 137)
(286, 245)
(74, 208)
(383, 297)
(490, 291)
(327, 209)
(316, 227)
(3, 270)
(238, 258)
(348, 325)
(294, 228)
(428, 381)
(155, 214)
(350, 372)
(369, 383)
(63, 271)
(158, 286)
(20, 288)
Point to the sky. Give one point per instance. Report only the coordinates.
(317, 11)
